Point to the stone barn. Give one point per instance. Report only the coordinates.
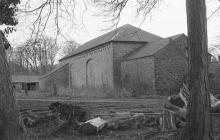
(106, 65)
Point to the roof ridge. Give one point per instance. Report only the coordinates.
(119, 34)
(152, 47)
(119, 30)
(116, 34)
(133, 51)
(52, 71)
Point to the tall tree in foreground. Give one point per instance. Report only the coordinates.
(7, 14)
(9, 116)
(199, 114)
(10, 127)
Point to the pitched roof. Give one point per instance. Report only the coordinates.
(25, 79)
(123, 33)
(152, 47)
(54, 70)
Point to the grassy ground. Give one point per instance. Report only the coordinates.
(47, 95)
(97, 108)
(103, 107)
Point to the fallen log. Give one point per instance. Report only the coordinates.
(61, 124)
(33, 118)
(127, 122)
(70, 112)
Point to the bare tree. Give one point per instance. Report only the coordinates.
(112, 9)
(49, 50)
(51, 14)
(69, 47)
(212, 17)
(16, 61)
(36, 55)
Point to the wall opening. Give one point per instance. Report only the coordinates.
(90, 73)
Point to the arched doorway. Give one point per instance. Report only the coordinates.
(90, 72)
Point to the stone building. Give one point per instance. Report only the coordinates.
(214, 77)
(56, 81)
(125, 59)
(158, 67)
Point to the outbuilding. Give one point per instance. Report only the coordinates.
(28, 82)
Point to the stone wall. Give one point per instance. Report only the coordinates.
(56, 82)
(138, 76)
(120, 49)
(170, 67)
(92, 72)
(214, 69)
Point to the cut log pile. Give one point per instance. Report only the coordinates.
(61, 114)
(64, 115)
(32, 118)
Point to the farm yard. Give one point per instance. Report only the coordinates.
(102, 108)
(150, 128)
(100, 70)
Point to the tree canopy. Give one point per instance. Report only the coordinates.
(8, 11)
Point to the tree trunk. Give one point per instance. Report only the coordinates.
(199, 115)
(10, 127)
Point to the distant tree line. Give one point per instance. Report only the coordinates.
(37, 56)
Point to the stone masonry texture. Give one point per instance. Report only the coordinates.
(170, 67)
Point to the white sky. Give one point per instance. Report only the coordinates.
(166, 20)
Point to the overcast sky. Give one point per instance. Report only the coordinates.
(167, 19)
